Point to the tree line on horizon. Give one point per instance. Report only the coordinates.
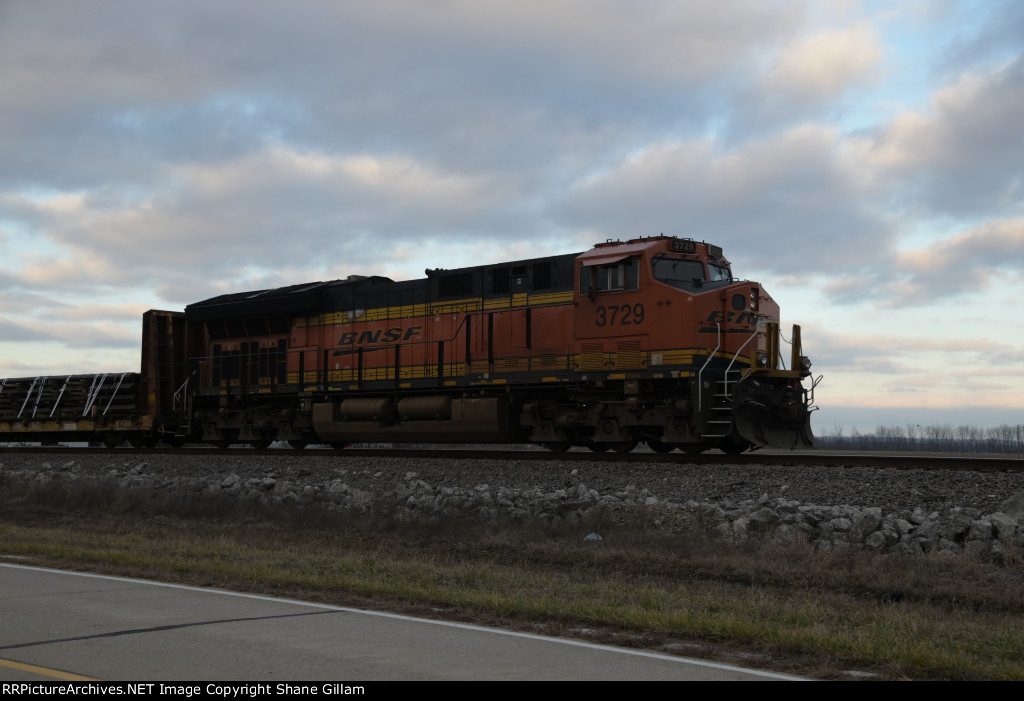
(927, 438)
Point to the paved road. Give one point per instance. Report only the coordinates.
(62, 625)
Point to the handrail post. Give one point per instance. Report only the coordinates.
(797, 350)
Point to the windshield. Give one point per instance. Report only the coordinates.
(676, 271)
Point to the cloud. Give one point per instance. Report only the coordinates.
(14, 331)
(985, 32)
(995, 409)
(307, 209)
(771, 204)
(893, 369)
(106, 91)
(963, 155)
(22, 303)
(824, 65)
(91, 333)
(822, 73)
(860, 354)
(967, 263)
(993, 245)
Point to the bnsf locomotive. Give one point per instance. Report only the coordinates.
(648, 340)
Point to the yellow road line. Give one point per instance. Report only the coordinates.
(45, 671)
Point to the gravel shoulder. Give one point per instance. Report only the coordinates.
(892, 490)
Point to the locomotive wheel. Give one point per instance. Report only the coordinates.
(339, 445)
(558, 446)
(660, 447)
(228, 437)
(112, 440)
(624, 447)
(298, 443)
(733, 446)
(136, 441)
(693, 448)
(597, 447)
(262, 444)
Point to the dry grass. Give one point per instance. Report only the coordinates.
(793, 608)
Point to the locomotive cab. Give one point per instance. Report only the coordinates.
(666, 318)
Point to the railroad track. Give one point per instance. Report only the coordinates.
(906, 461)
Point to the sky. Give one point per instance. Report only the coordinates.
(864, 161)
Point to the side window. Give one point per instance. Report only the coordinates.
(718, 272)
(615, 277)
(631, 275)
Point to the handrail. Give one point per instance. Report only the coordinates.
(809, 393)
(733, 360)
(176, 400)
(782, 358)
(700, 372)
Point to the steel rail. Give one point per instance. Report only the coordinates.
(765, 458)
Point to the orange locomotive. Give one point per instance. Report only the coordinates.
(645, 340)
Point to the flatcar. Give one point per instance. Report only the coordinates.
(646, 340)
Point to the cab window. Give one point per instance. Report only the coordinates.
(719, 272)
(622, 275)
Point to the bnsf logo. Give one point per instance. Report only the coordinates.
(362, 338)
(735, 318)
